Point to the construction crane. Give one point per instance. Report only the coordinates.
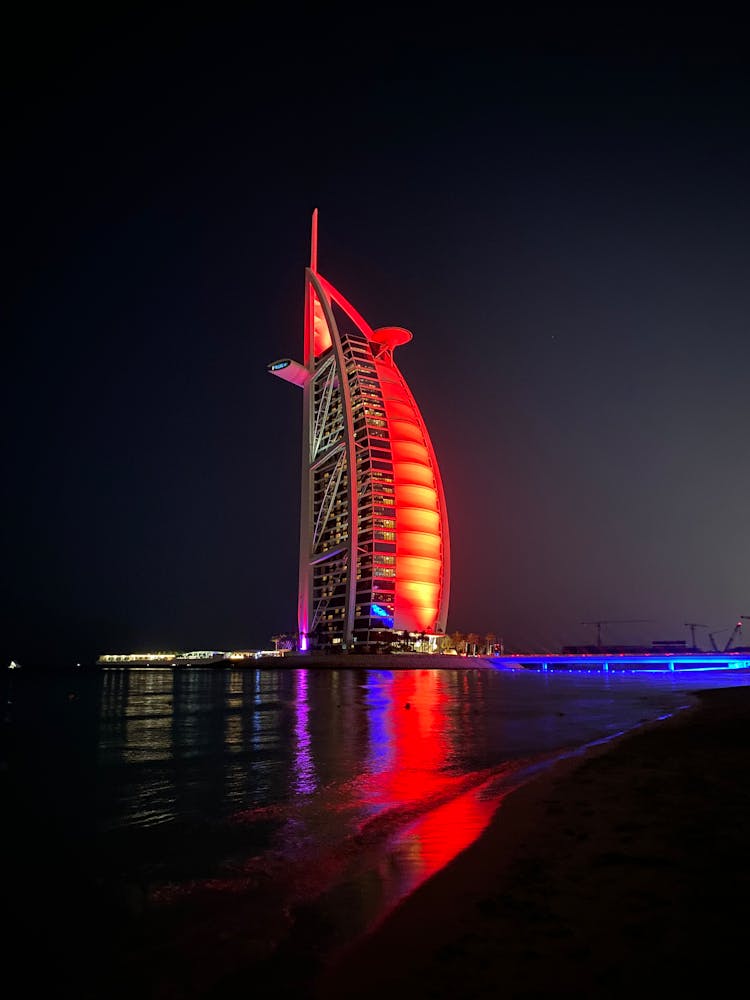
(614, 621)
(693, 626)
(737, 628)
(711, 639)
(747, 619)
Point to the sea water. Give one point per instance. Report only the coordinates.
(312, 798)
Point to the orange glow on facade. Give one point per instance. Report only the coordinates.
(419, 567)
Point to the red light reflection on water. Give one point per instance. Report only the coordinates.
(435, 840)
(405, 814)
(410, 745)
(411, 742)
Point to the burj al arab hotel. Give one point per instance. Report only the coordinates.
(374, 544)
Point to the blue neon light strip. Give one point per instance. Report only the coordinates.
(645, 663)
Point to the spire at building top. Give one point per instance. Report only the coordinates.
(314, 242)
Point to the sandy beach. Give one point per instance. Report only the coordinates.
(618, 871)
(621, 872)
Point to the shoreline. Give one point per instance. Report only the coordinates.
(619, 864)
(619, 868)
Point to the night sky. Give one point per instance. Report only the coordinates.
(558, 210)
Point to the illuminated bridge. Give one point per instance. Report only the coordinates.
(640, 662)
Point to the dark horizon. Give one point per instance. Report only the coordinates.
(560, 216)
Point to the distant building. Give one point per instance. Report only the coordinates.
(374, 543)
(202, 657)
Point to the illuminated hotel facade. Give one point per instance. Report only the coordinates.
(374, 542)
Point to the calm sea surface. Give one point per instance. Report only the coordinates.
(312, 800)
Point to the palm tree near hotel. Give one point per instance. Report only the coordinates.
(443, 642)
(458, 641)
(406, 643)
(490, 641)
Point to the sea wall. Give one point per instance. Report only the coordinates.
(374, 661)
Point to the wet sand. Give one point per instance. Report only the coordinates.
(622, 872)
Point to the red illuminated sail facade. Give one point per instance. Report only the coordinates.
(374, 543)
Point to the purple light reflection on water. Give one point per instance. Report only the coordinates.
(298, 791)
(381, 748)
(304, 767)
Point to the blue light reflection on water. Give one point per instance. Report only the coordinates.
(186, 744)
(377, 700)
(311, 779)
